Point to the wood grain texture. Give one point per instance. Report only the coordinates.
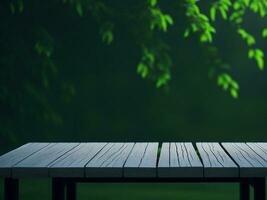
(8, 160)
(103, 160)
(250, 163)
(142, 161)
(72, 163)
(37, 164)
(216, 161)
(179, 160)
(263, 146)
(260, 149)
(109, 161)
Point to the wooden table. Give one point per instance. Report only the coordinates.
(69, 163)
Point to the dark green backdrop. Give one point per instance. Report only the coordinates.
(110, 102)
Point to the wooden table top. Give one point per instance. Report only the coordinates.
(136, 160)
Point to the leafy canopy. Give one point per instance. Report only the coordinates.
(155, 62)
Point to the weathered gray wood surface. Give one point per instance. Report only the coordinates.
(216, 161)
(109, 161)
(8, 160)
(73, 162)
(142, 161)
(179, 160)
(259, 148)
(37, 164)
(136, 160)
(250, 163)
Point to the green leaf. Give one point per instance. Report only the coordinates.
(79, 9)
(246, 36)
(260, 63)
(251, 53)
(212, 30)
(254, 6)
(186, 33)
(227, 78)
(163, 79)
(220, 80)
(228, 84)
(223, 13)
(163, 23)
(213, 13)
(259, 53)
(142, 69)
(209, 36)
(250, 40)
(264, 33)
(169, 19)
(242, 32)
(225, 85)
(228, 2)
(203, 38)
(234, 93)
(235, 85)
(107, 37)
(152, 2)
(203, 17)
(262, 10)
(194, 27)
(148, 56)
(236, 5)
(246, 2)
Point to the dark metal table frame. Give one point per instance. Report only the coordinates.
(65, 188)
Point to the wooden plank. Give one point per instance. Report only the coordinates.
(179, 160)
(72, 163)
(263, 146)
(164, 159)
(216, 161)
(109, 161)
(174, 161)
(250, 163)
(8, 160)
(37, 164)
(142, 161)
(259, 148)
(136, 154)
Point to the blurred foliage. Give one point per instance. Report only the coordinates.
(155, 63)
(199, 22)
(28, 76)
(227, 83)
(31, 76)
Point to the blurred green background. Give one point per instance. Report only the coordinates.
(60, 82)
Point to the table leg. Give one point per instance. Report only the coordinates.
(71, 190)
(11, 189)
(259, 189)
(244, 190)
(58, 189)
